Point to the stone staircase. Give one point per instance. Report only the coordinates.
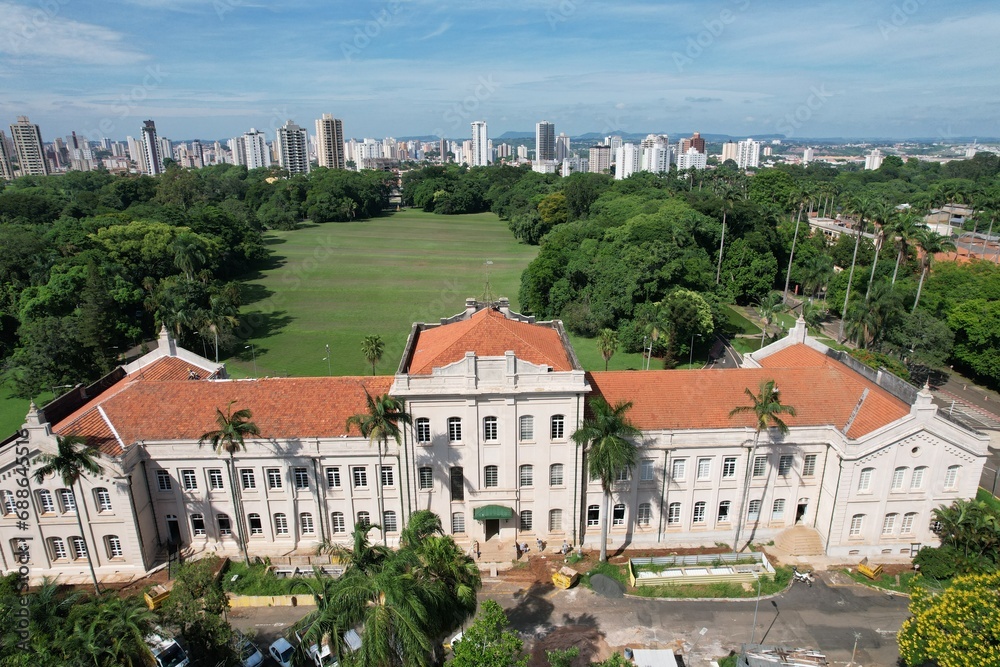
(799, 540)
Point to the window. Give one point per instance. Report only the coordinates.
(593, 515)
(46, 501)
(457, 484)
(724, 511)
(364, 519)
(306, 523)
(188, 480)
(360, 476)
(556, 474)
(558, 426)
(729, 467)
(618, 515)
(644, 516)
(388, 478)
(491, 476)
(526, 520)
(673, 514)
(457, 523)
(785, 464)
(646, 471)
(906, 528)
(951, 478)
(333, 478)
(809, 465)
(753, 510)
(215, 479)
(678, 469)
(759, 466)
(424, 431)
(79, 547)
(273, 478)
(389, 521)
(301, 477)
(103, 499)
(778, 509)
(699, 512)
(526, 428)
(857, 523)
(337, 523)
(555, 520)
(889, 524)
(917, 481)
(704, 468)
(67, 499)
(865, 480)
(898, 477)
(163, 480)
(247, 479)
(526, 476)
(280, 524)
(22, 552)
(58, 549)
(198, 525)
(256, 527)
(454, 429)
(225, 525)
(490, 429)
(623, 474)
(9, 506)
(425, 477)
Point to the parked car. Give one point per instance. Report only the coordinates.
(166, 651)
(246, 651)
(281, 651)
(321, 655)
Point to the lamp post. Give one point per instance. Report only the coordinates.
(329, 361)
(753, 629)
(253, 351)
(60, 386)
(691, 349)
(204, 347)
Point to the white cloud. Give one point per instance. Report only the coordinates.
(442, 29)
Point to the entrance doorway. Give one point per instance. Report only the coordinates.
(492, 528)
(800, 511)
(173, 530)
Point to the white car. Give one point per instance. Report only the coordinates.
(246, 651)
(166, 651)
(281, 650)
(321, 654)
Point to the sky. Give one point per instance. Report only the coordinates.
(213, 69)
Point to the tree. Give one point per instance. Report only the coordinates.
(72, 459)
(884, 215)
(230, 437)
(905, 228)
(379, 423)
(930, 243)
(605, 435)
(488, 642)
(372, 347)
(728, 194)
(803, 197)
(766, 408)
(959, 627)
(860, 207)
(114, 630)
(196, 608)
(607, 343)
(816, 272)
(767, 308)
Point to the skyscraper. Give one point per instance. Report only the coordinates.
(256, 151)
(562, 147)
(545, 141)
(600, 159)
(628, 160)
(697, 142)
(28, 144)
(748, 154)
(874, 159)
(6, 169)
(480, 145)
(149, 147)
(330, 142)
(291, 143)
(730, 151)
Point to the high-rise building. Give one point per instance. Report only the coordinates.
(481, 152)
(166, 149)
(28, 145)
(697, 142)
(691, 159)
(6, 168)
(600, 159)
(291, 143)
(628, 160)
(748, 154)
(330, 142)
(545, 141)
(730, 151)
(256, 150)
(614, 142)
(149, 146)
(874, 159)
(807, 156)
(562, 147)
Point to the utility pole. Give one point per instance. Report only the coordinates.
(857, 636)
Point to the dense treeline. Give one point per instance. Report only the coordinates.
(94, 262)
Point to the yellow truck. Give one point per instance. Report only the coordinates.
(565, 577)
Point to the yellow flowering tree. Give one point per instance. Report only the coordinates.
(959, 627)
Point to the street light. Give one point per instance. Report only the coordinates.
(329, 362)
(253, 351)
(691, 349)
(204, 348)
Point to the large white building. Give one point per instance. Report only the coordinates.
(255, 149)
(730, 151)
(495, 398)
(874, 159)
(748, 154)
(600, 159)
(6, 168)
(692, 158)
(291, 143)
(628, 160)
(480, 155)
(28, 145)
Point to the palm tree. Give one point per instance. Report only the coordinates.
(379, 423)
(860, 207)
(816, 272)
(767, 308)
(189, 253)
(73, 458)
(930, 243)
(362, 555)
(905, 228)
(605, 435)
(230, 438)
(372, 347)
(766, 407)
(115, 631)
(803, 196)
(728, 194)
(884, 215)
(607, 343)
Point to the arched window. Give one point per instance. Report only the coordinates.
(68, 500)
(724, 511)
(857, 525)
(389, 521)
(491, 477)
(699, 512)
(593, 515)
(865, 480)
(364, 519)
(898, 478)
(618, 514)
(225, 525)
(114, 546)
(526, 429)
(526, 476)
(889, 524)
(198, 525)
(58, 549)
(753, 510)
(907, 527)
(423, 425)
(490, 429)
(102, 499)
(558, 427)
(280, 524)
(526, 517)
(46, 501)
(645, 514)
(674, 514)
(306, 523)
(21, 550)
(555, 520)
(454, 429)
(778, 509)
(556, 474)
(79, 548)
(917, 481)
(951, 478)
(9, 506)
(337, 522)
(256, 527)
(457, 523)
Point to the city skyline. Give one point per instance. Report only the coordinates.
(417, 68)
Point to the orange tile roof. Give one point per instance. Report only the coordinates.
(488, 333)
(171, 368)
(823, 392)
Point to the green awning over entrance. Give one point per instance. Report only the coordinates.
(492, 512)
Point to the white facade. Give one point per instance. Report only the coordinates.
(748, 154)
(808, 155)
(874, 159)
(600, 159)
(256, 151)
(151, 161)
(730, 151)
(691, 159)
(628, 160)
(291, 143)
(6, 168)
(562, 150)
(28, 145)
(480, 151)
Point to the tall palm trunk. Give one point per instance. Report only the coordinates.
(878, 247)
(895, 271)
(83, 536)
(920, 286)
(722, 245)
(238, 518)
(746, 492)
(604, 525)
(788, 273)
(850, 278)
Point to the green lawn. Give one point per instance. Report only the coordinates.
(14, 410)
(740, 324)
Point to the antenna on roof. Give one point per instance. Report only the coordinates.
(487, 297)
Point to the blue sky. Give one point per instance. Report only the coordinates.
(214, 68)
